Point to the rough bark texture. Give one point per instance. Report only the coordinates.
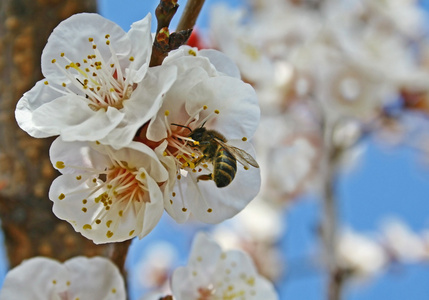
(28, 223)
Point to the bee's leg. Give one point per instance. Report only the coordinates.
(205, 177)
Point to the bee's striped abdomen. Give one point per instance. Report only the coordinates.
(225, 167)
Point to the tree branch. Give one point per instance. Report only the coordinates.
(190, 14)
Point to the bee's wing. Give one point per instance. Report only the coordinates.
(242, 156)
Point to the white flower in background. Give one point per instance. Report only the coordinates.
(107, 195)
(401, 243)
(207, 94)
(215, 274)
(290, 161)
(236, 40)
(80, 278)
(98, 83)
(156, 265)
(359, 254)
(256, 230)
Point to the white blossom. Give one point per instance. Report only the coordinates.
(215, 274)
(207, 93)
(107, 195)
(98, 84)
(360, 254)
(80, 278)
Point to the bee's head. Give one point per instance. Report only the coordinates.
(197, 134)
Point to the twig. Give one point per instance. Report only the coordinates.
(190, 14)
(329, 221)
(119, 255)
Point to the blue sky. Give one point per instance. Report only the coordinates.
(388, 182)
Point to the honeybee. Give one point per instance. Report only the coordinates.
(215, 149)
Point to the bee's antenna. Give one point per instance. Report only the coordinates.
(203, 124)
(187, 127)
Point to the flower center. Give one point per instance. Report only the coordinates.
(102, 82)
(184, 149)
(121, 184)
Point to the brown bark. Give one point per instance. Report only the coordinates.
(26, 173)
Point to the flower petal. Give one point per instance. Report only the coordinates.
(79, 123)
(95, 278)
(71, 38)
(236, 102)
(38, 278)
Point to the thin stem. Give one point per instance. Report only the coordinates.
(190, 14)
(119, 255)
(329, 225)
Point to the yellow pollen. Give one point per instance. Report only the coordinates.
(184, 209)
(143, 175)
(78, 177)
(216, 111)
(171, 202)
(244, 139)
(97, 142)
(107, 42)
(84, 209)
(46, 82)
(192, 52)
(107, 36)
(84, 201)
(94, 180)
(114, 290)
(91, 39)
(167, 112)
(179, 176)
(131, 233)
(121, 212)
(209, 210)
(205, 107)
(164, 153)
(131, 58)
(68, 283)
(61, 196)
(64, 84)
(87, 226)
(98, 221)
(54, 61)
(54, 281)
(109, 234)
(59, 165)
(108, 223)
(112, 65)
(246, 168)
(196, 143)
(62, 54)
(173, 194)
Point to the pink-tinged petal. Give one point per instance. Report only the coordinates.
(235, 101)
(38, 278)
(74, 120)
(95, 278)
(71, 38)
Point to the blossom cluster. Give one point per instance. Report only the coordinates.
(77, 278)
(135, 140)
(214, 273)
